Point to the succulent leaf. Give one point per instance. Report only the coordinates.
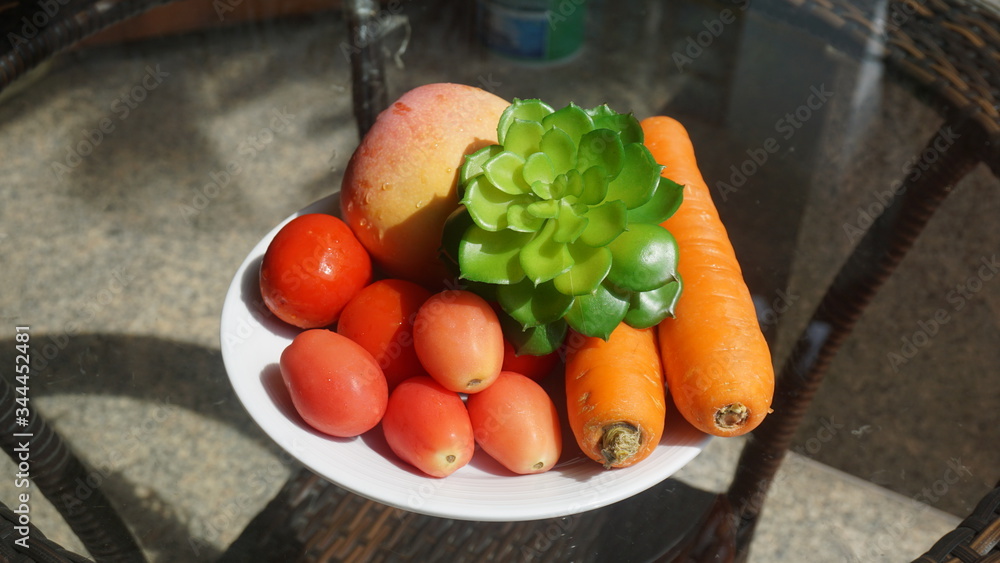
(639, 177)
(572, 119)
(533, 305)
(486, 204)
(543, 190)
(601, 147)
(535, 340)
(559, 188)
(545, 209)
(525, 110)
(574, 186)
(474, 162)
(520, 219)
(538, 168)
(662, 204)
(562, 224)
(560, 147)
(594, 186)
(570, 223)
(451, 238)
(648, 308)
(607, 221)
(544, 258)
(505, 172)
(597, 314)
(492, 257)
(624, 124)
(643, 258)
(524, 137)
(591, 265)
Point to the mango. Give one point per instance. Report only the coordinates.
(401, 183)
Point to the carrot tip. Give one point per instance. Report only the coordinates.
(732, 416)
(619, 442)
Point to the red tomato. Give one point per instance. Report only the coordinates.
(535, 367)
(335, 384)
(459, 340)
(380, 318)
(517, 424)
(428, 427)
(311, 269)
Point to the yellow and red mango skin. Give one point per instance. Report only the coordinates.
(401, 184)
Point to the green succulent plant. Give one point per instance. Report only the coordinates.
(560, 224)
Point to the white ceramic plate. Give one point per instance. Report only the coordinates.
(252, 341)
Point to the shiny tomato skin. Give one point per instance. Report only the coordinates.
(335, 384)
(517, 424)
(535, 367)
(380, 318)
(428, 427)
(311, 269)
(459, 340)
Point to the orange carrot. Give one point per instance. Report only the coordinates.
(615, 395)
(715, 359)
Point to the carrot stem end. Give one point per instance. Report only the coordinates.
(732, 416)
(619, 442)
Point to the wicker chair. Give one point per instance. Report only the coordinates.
(945, 51)
(976, 539)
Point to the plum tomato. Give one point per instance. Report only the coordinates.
(428, 427)
(311, 269)
(535, 367)
(516, 423)
(459, 340)
(335, 384)
(380, 318)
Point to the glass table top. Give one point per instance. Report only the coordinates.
(136, 175)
